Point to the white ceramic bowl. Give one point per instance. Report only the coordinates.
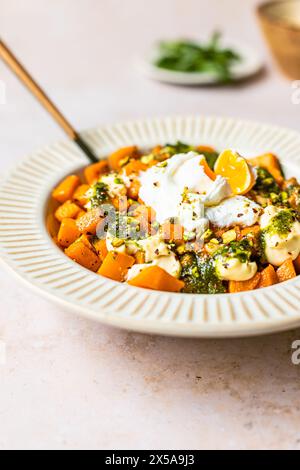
(27, 249)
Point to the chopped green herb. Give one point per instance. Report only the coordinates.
(262, 248)
(281, 223)
(189, 56)
(100, 194)
(118, 180)
(293, 192)
(242, 250)
(265, 183)
(125, 227)
(163, 165)
(199, 275)
(179, 147)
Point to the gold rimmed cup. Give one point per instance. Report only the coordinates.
(280, 22)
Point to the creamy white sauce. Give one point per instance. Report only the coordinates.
(154, 247)
(130, 247)
(169, 263)
(170, 187)
(267, 216)
(109, 244)
(237, 210)
(232, 269)
(136, 270)
(278, 247)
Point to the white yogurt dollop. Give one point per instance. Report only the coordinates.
(237, 210)
(180, 188)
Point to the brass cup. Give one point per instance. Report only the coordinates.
(280, 22)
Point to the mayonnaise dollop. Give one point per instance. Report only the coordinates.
(168, 263)
(170, 187)
(279, 247)
(232, 269)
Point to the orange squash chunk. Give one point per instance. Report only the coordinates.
(140, 257)
(80, 195)
(52, 226)
(86, 239)
(254, 230)
(121, 157)
(66, 189)
(83, 255)
(268, 277)
(156, 278)
(68, 210)
(220, 231)
(205, 148)
(134, 166)
(93, 172)
(116, 265)
(242, 286)
(68, 233)
(270, 162)
(100, 247)
(80, 214)
(134, 189)
(89, 222)
(156, 150)
(286, 271)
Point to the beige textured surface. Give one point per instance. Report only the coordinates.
(67, 382)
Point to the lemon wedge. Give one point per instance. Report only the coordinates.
(236, 169)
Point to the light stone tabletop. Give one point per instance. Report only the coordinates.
(69, 383)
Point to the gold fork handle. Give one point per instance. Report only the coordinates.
(13, 63)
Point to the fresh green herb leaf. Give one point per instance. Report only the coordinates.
(178, 147)
(265, 183)
(189, 56)
(211, 158)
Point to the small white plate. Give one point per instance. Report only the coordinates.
(28, 250)
(250, 65)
